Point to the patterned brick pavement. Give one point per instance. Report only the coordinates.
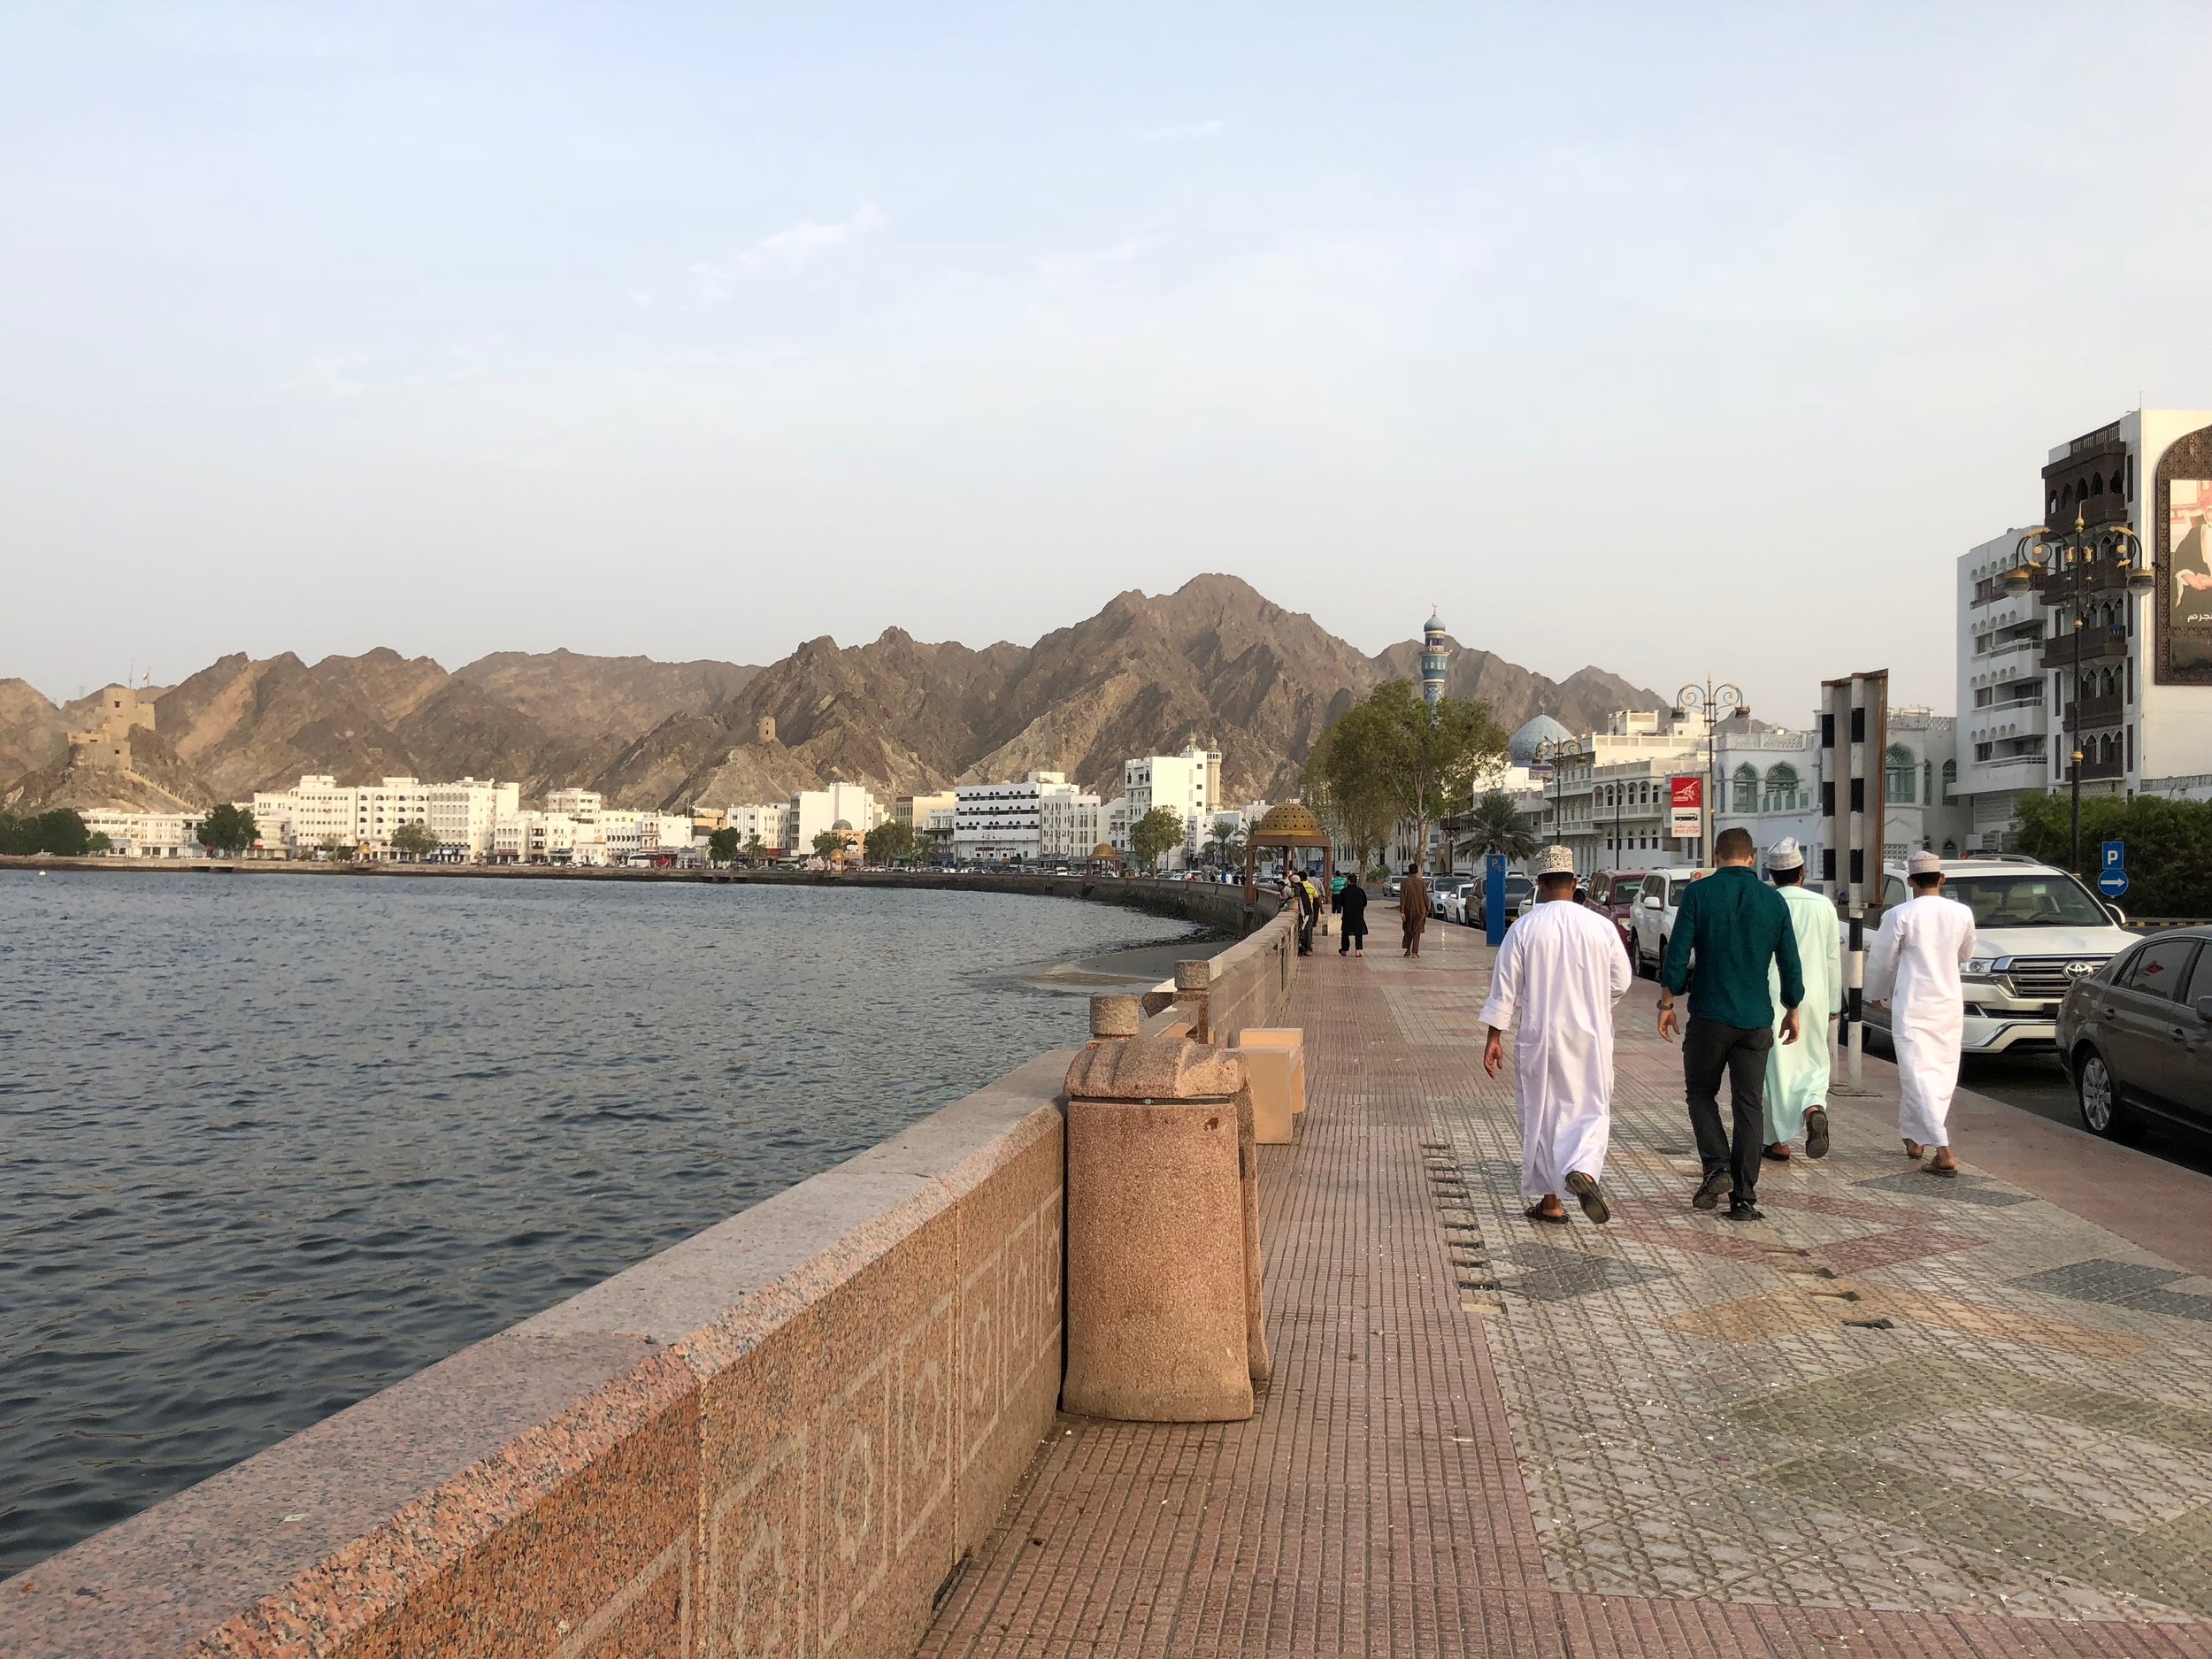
(1900, 1417)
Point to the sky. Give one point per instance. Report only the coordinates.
(1683, 340)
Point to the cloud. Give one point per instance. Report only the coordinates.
(1187, 129)
(792, 250)
(641, 300)
(329, 377)
(1063, 267)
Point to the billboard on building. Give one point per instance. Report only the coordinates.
(2185, 582)
(1686, 807)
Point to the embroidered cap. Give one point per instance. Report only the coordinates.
(1554, 861)
(1924, 863)
(1785, 855)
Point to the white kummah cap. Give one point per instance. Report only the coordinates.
(1554, 861)
(1785, 855)
(1924, 863)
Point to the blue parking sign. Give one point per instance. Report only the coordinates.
(2115, 855)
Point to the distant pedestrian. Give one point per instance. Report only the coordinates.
(1914, 967)
(1351, 904)
(1797, 1072)
(1739, 927)
(1558, 974)
(1413, 909)
(1309, 911)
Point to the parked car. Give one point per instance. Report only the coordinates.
(1518, 889)
(1394, 884)
(1615, 892)
(1462, 892)
(1445, 891)
(2135, 1036)
(1654, 913)
(2037, 930)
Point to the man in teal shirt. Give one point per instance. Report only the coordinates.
(1738, 926)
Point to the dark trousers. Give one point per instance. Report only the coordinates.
(1709, 1048)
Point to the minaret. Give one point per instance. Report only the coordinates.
(1433, 660)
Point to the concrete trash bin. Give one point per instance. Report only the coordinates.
(1163, 1245)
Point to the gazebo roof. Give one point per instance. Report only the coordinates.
(1292, 824)
(1104, 853)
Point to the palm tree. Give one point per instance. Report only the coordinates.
(1494, 825)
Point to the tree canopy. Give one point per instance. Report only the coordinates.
(414, 841)
(1494, 825)
(829, 843)
(1388, 758)
(60, 831)
(1155, 835)
(2169, 845)
(722, 846)
(227, 829)
(890, 843)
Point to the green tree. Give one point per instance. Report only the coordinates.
(2169, 845)
(829, 844)
(227, 829)
(333, 848)
(1496, 825)
(63, 833)
(99, 843)
(722, 847)
(1155, 835)
(1397, 759)
(19, 836)
(414, 841)
(890, 843)
(755, 849)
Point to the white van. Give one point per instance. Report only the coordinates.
(1653, 914)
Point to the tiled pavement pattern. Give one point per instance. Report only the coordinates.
(1902, 1416)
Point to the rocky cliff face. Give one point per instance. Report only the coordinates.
(1214, 662)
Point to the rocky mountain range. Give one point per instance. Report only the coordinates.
(1214, 662)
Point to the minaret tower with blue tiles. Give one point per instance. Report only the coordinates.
(1434, 659)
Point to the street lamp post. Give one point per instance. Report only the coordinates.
(1715, 703)
(2067, 556)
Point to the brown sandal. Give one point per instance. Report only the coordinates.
(1537, 1212)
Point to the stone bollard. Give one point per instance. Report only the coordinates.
(1114, 1017)
(1163, 1235)
(1194, 982)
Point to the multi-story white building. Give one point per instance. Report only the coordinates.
(1071, 822)
(768, 822)
(583, 805)
(146, 834)
(1188, 784)
(633, 836)
(546, 838)
(2121, 645)
(1001, 823)
(815, 810)
(318, 813)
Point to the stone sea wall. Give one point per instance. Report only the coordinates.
(781, 1436)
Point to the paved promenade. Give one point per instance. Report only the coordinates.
(1902, 1416)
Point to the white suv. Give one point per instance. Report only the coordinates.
(1652, 916)
(2036, 931)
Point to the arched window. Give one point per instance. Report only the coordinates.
(1927, 781)
(1900, 767)
(2096, 483)
(1950, 786)
(1747, 788)
(1950, 849)
(1782, 788)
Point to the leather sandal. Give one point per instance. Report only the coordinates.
(1536, 1212)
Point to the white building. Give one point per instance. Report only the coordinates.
(1004, 823)
(2121, 652)
(146, 834)
(546, 838)
(316, 813)
(768, 822)
(815, 810)
(583, 805)
(1188, 784)
(640, 837)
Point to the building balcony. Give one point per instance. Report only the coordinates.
(2092, 712)
(2102, 771)
(2087, 645)
(2097, 576)
(2007, 771)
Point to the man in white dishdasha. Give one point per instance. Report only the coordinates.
(1558, 974)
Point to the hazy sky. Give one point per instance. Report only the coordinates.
(1677, 340)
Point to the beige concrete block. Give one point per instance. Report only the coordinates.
(1288, 1040)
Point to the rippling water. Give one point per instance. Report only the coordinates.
(268, 1143)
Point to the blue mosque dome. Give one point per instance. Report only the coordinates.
(1521, 747)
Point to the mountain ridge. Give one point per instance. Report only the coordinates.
(1215, 662)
